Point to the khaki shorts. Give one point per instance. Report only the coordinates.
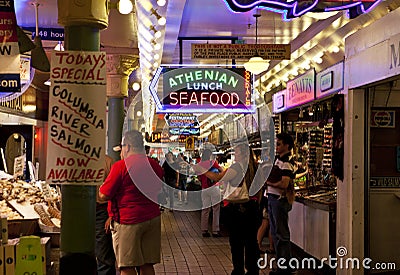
(137, 244)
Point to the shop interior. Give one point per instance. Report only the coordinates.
(317, 129)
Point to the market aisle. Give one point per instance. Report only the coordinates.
(185, 251)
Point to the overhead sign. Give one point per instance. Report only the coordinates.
(77, 115)
(53, 34)
(301, 89)
(292, 9)
(278, 102)
(181, 120)
(191, 131)
(240, 51)
(383, 118)
(330, 81)
(10, 81)
(204, 90)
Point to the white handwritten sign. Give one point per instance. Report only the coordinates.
(77, 113)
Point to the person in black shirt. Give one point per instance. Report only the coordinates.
(170, 176)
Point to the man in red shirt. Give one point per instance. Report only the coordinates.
(132, 188)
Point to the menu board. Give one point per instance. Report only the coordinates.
(77, 115)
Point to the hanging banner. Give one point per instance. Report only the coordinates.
(9, 50)
(77, 115)
(240, 51)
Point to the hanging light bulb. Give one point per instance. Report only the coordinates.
(256, 64)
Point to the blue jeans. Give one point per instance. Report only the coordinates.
(104, 247)
(278, 211)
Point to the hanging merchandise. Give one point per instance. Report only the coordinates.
(338, 135)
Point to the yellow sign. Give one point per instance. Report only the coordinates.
(189, 143)
(29, 256)
(240, 51)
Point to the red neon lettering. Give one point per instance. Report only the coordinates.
(211, 98)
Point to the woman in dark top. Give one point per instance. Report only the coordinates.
(243, 218)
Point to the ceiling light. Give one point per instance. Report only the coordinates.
(256, 64)
(125, 6)
(157, 34)
(160, 19)
(156, 56)
(139, 113)
(161, 3)
(335, 49)
(156, 45)
(136, 86)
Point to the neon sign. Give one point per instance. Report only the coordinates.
(293, 9)
(191, 90)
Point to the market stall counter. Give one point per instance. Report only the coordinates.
(30, 208)
(312, 221)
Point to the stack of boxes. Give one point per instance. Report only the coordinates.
(25, 255)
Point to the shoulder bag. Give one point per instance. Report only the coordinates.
(237, 194)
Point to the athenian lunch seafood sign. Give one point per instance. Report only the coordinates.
(77, 115)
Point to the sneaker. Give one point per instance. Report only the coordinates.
(206, 235)
(217, 235)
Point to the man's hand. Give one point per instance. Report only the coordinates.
(107, 225)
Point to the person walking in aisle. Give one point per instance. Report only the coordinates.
(170, 176)
(132, 187)
(104, 247)
(210, 195)
(243, 218)
(183, 172)
(280, 192)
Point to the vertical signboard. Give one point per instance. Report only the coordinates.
(77, 115)
(9, 50)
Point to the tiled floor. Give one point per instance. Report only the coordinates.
(185, 251)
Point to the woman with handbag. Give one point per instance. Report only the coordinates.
(243, 215)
